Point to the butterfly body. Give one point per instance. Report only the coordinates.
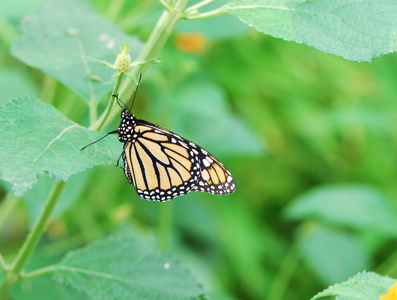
(163, 165)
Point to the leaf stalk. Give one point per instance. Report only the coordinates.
(209, 14)
(197, 6)
(102, 121)
(13, 274)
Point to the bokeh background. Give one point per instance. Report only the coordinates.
(309, 137)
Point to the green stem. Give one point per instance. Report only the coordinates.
(48, 89)
(101, 122)
(205, 15)
(163, 3)
(39, 272)
(3, 265)
(6, 208)
(161, 32)
(388, 266)
(165, 221)
(14, 272)
(197, 6)
(285, 272)
(6, 285)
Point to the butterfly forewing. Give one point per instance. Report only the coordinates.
(162, 165)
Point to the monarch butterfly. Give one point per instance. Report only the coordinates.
(163, 165)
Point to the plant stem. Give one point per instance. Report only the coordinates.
(6, 208)
(13, 273)
(197, 6)
(39, 272)
(48, 89)
(205, 15)
(284, 274)
(102, 120)
(160, 34)
(388, 266)
(163, 3)
(3, 265)
(171, 16)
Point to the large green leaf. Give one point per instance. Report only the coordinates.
(363, 286)
(121, 268)
(355, 29)
(37, 138)
(44, 288)
(61, 34)
(19, 9)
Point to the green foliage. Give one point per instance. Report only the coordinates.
(332, 254)
(121, 268)
(40, 139)
(310, 139)
(193, 99)
(356, 30)
(45, 288)
(35, 198)
(61, 37)
(10, 78)
(365, 285)
(358, 207)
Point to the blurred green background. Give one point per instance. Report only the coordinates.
(310, 139)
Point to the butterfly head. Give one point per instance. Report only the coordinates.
(126, 128)
(126, 113)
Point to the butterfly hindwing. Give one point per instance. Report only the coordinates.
(215, 178)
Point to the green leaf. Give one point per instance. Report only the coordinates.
(333, 255)
(44, 288)
(357, 206)
(19, 9)
(121, 268)
(57, 39)
(39, 139)
(363, 286)
(355, 29)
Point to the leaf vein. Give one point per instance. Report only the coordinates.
(50, 143)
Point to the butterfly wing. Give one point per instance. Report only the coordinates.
(162, 165)
(214, 177)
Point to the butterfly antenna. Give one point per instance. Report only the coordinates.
(112, 132)
(139, 81)
(122, 105)
(119, 102)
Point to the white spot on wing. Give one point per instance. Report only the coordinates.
(206, 163)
